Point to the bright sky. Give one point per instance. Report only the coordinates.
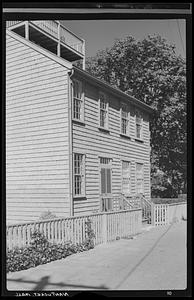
(99, 34)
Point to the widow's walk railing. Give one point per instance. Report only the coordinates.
(54, 29)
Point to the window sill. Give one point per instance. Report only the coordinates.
(125, 136)
(79, 197)
(139, 140)
(80, 122)
(104, 129)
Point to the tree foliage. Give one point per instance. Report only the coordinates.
(157, 77)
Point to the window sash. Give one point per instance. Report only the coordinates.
(138, 131)
(103, 118)
(103, 111)
(79, 176)
(139, 127)
(77, 89)
(139, 186)
(77, 109)
(78, 104)
(124, 120)
(124, 126)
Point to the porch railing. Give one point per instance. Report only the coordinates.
(138, 201)
(107, 227)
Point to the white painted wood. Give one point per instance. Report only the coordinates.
(106, 227)
(95, 143)
(37, 151)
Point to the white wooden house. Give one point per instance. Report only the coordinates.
(73, 142)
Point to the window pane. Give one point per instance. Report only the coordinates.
(77, 90)
(102, 118)
(124, 114)
(124, 126)
(138, 131)
(103, 111)
(78, 174)
(77, 108)
(138, 120)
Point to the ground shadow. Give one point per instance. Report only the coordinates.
(143, 258)
(44, 282)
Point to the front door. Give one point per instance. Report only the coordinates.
(106, 183)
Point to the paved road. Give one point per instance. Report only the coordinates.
(153, 260)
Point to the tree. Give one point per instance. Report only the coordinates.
(157, 77)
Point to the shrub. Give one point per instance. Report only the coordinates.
(47, 216)
(41, 251)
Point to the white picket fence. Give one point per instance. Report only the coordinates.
(164, 214)
(107, 226)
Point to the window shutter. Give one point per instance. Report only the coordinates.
(103, 181)
(108, 180)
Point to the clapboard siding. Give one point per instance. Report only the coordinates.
(37, 134)
(92, 142)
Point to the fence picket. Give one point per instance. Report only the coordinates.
(106, 226)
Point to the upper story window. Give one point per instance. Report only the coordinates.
(79, 175)
(78, 103)
(124, 120)
(139, 125)
(103, 105)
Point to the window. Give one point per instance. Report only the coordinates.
(139, 122)
(105, 175)
(103, 111)
(124, 120)
(126, 178)
(79, 176)
(139, 178)
(78, 104)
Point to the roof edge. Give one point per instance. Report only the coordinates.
(87, 75)
(41, 50)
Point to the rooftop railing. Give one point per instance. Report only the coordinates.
(57, 31)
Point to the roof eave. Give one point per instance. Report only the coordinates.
(121, 94)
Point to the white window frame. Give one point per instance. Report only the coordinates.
(128, 178)
(80, 174)
(124, 109)
(138, 122)
(139, 178)
(105, 110)
(80, 117)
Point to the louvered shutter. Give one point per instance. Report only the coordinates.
(103, 181)
(108, 175)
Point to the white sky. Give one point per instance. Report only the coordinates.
(99, 34)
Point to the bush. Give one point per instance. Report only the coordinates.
(47, 215)
(41, 251)
(167, 200)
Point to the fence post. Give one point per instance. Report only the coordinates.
(152, 214)
(168, 214)
(104, 228)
